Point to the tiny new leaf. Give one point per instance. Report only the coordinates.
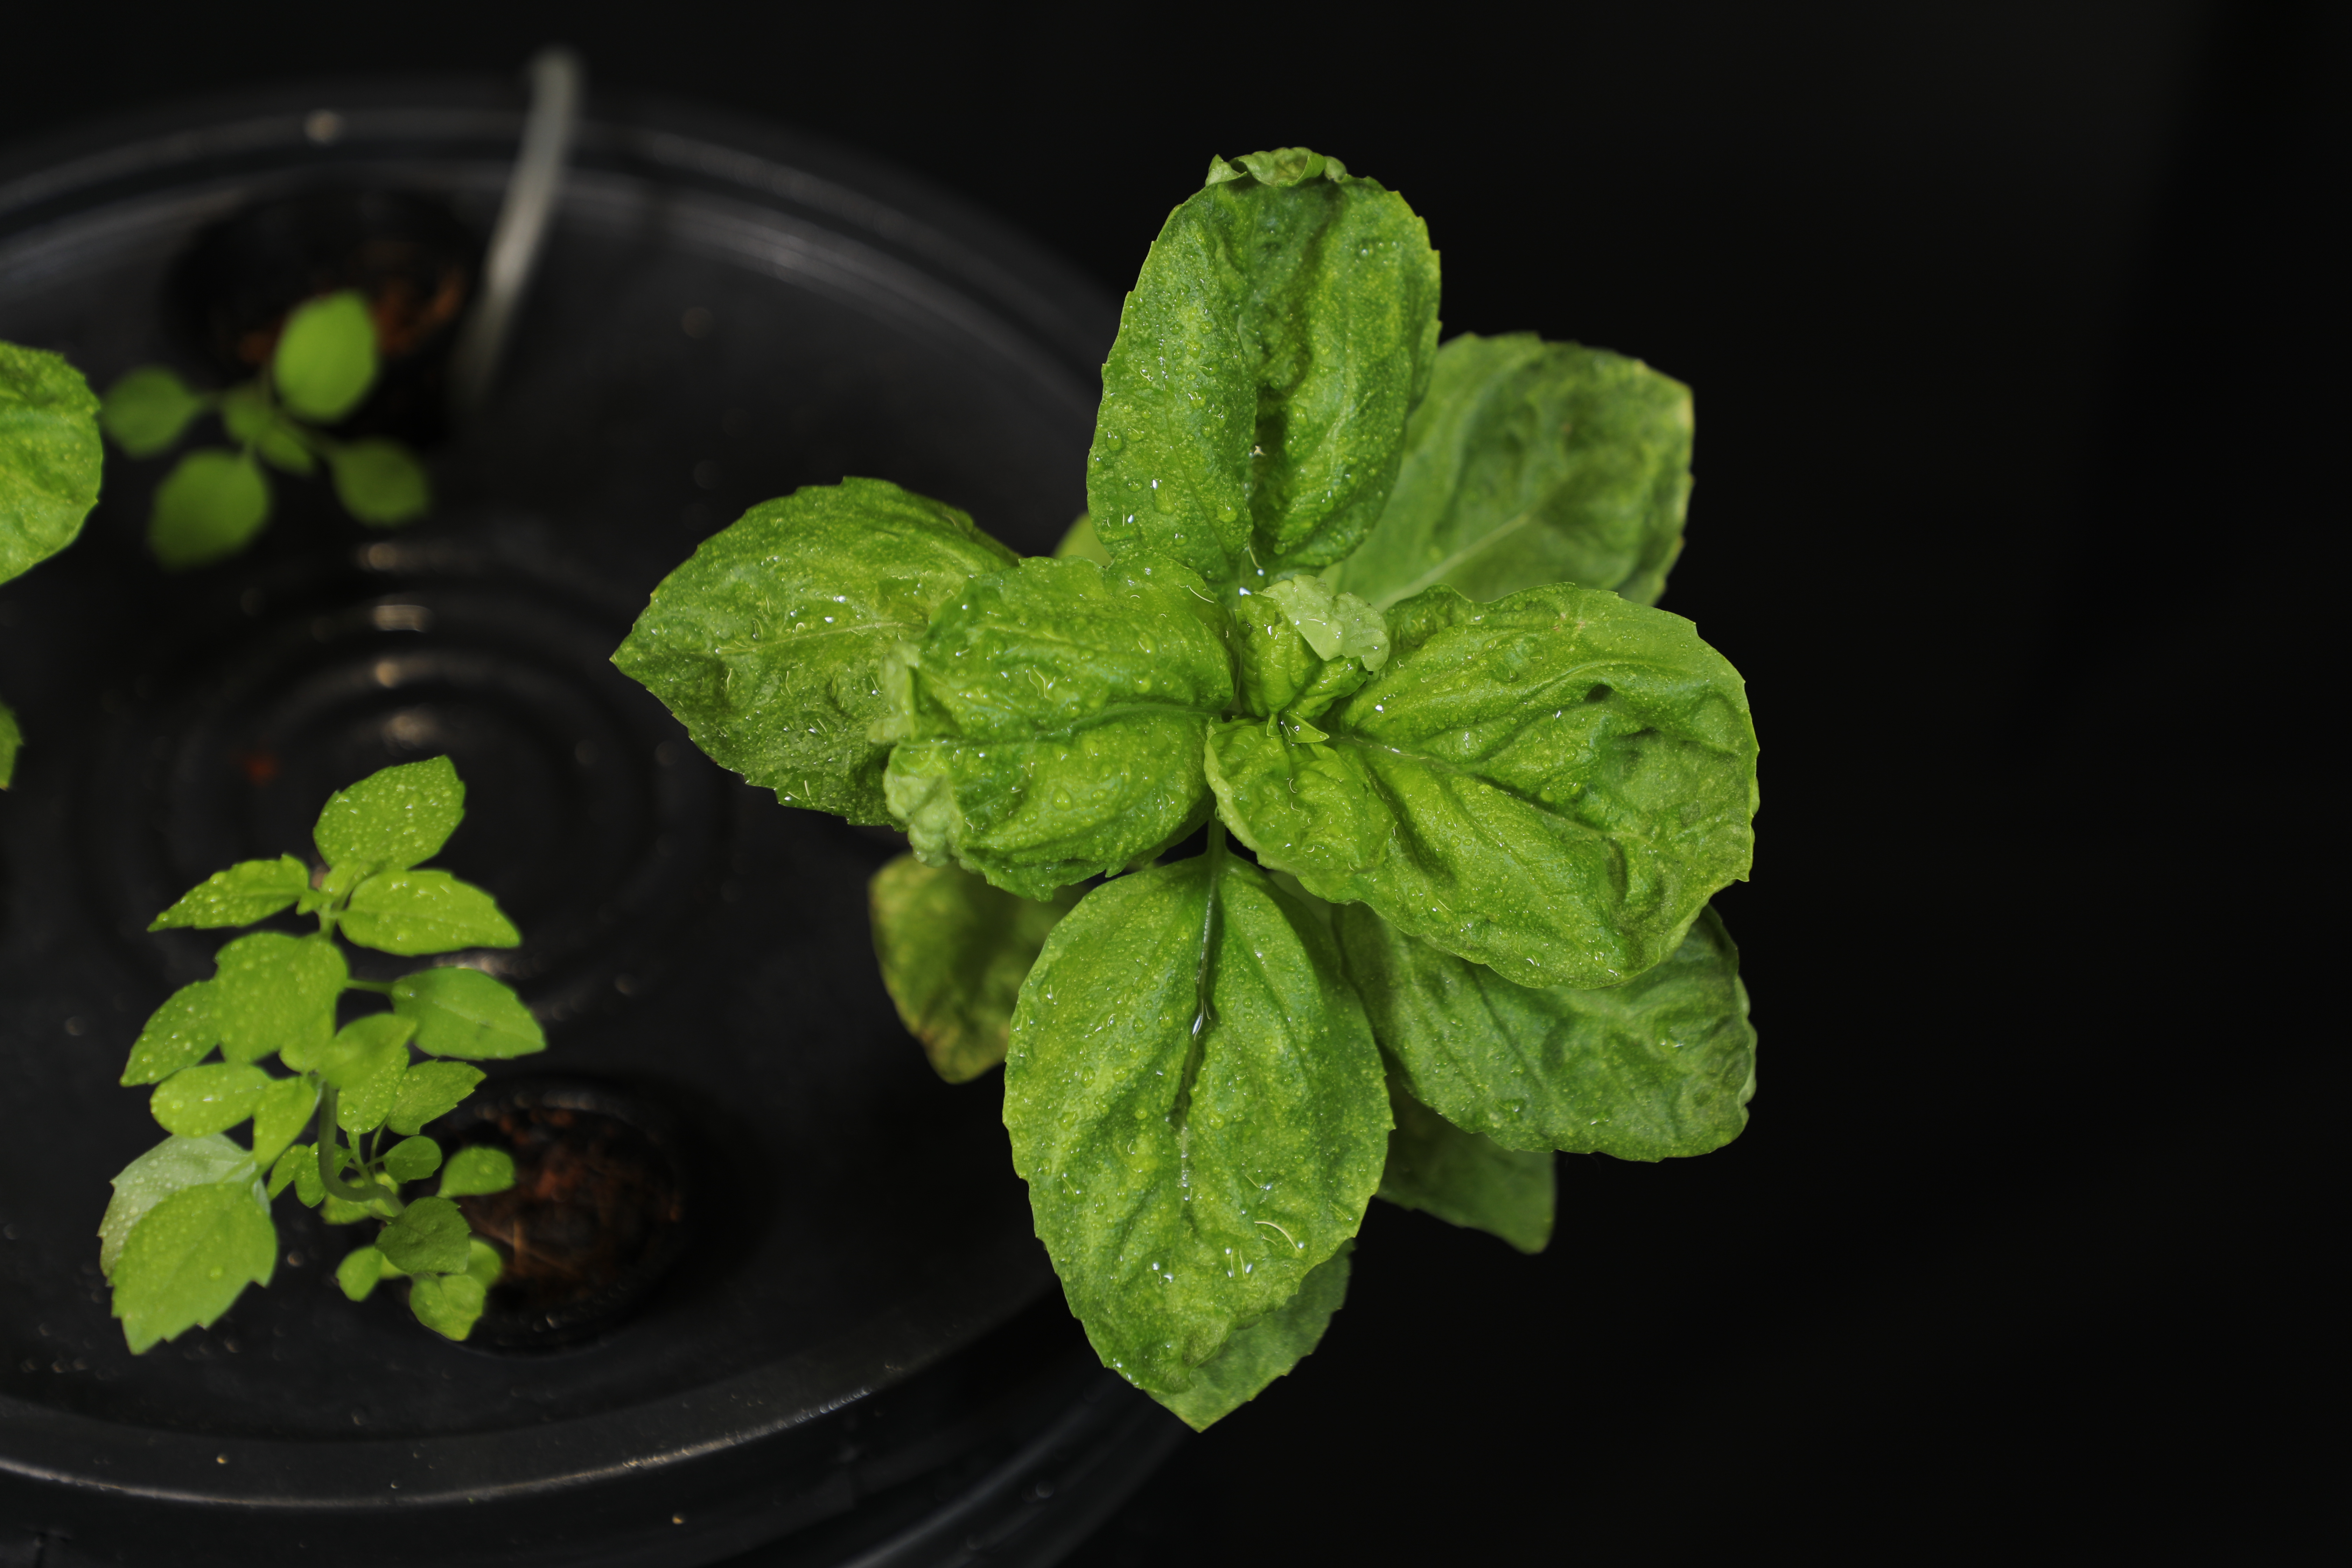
(1196, 1103)
(50, 456)
(1268, 1349)
(148, 410)
(953, 953)
(189, 1257)
(171, 1167)
(392, 819)
(477, 1170)
(429, 1237)
(412, 912)
(1052, 720)
(213, 1097)
(1660, 1066)
(768, 644)
(1465, 1178)
(326, 357)
(1553, 784)
(465, 1012)
(248, 892)
(207, 509)
(1254, 406)
(276, 993)
(1532, 463)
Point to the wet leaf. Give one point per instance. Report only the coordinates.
(189, 1259)
(430, 1089)
(1554, 784)
(448, 1304)
(768, 644)
(366, 1062)
(179, 1034)
(171, 1167)
(477, 1170)
(429, 1237)
(393, 818)
(1660, 1066)
(276, 993)
(465, 1012)
(412, 1159)
(1255, 402)
(1185, 1180)
(1465, 1178)
(954, 952)
(248, 892)
(1053, 718)
(1263, 1350)
(1531, 463)
(213, 1097)
(50, 456)
(412, 912)
(360, 1272)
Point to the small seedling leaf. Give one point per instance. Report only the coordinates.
(477, 1170)
(248, 892)
(284, 1111)
(171, 1167)
(465, 1012)
(412, 1159)
(448, 1304)
(326, 357)
(366, 1062)
(190, 1258)
(276, 993)
(429, 1237)
(148, 410)
(179, 1034)
(380, 482)
(392, 819)
(413, 912)
(207, 509)
(198, 1100)
(360, 1272)
(430, 1089)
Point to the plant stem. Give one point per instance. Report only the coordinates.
(328, 1176)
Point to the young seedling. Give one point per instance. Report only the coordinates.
(50, 458)
(1377, 614)
(215, 499)
(189, 1227)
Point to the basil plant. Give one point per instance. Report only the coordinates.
(1374, 612)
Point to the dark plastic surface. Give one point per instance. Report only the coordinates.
(865, 1335)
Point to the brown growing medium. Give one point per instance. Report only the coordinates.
(592, 1195)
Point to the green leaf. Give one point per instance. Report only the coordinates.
(1054, 716)
(1336, 625)
(283, 1112)
(248, 892)
(50, 456)
(207, 509)
(448, 1304)
(412, 913)
(954, 952)
(148, 410)
(465, 1012)
(179, 1034)
(1532, 463)
(393, 818)
(768, 643)
(188, 1259)
(483, 1264)
(380, 481)
(12, 741)
(1255, 402)
(288, 1169)
(1465, 1178)
(1082, 542)
(475, 1170)
(326, 357)
(1263, 1350)
(276, 993)
(412, 1159)
(429, 1237)
(1660, 1066)
(196, 1101)
(253, 422)
(360, 1272)
(1189, 1164)
(1554, 784)
(174, 1165)
(366, 1062)
(430, 1089)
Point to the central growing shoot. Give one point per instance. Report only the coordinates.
(1377, 614)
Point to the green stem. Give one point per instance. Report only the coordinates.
(381, 987)
(328, 1177)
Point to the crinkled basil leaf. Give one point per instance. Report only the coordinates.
(380, 481)
(1465, 1178)
(393, 818)
(1660, 1066)
(50, 456)
(1263, 1350)
(190, 1258)
(213, 1098)
(248, 892)
(179, 1034)
(276, 993)
(1531, 463)
(1052, 717)
(1554, 784)
(326, 357)
(430, 1089)
(1254, 404)
(465, 1012)
(171, 1167)
(954, 952)
(412, 912)
(1196, 1104)
(148, 410)
(768, 643)
(207, 509)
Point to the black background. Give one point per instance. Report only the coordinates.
(2006, 322)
